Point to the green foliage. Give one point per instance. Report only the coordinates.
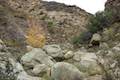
(82, 38)
(44, 17)
(96, 23)
(50, 24)
(100, 21)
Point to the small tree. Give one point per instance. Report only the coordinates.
(96, 23)
(82, 38)
(99, 21)
(35, 35)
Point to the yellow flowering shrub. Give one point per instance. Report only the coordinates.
(35, 35)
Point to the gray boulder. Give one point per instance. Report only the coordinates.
(22, 75)
(95, 40)
(116, 48)
(69, 54)
(39, 69)
(77, 55)
(96, 77)
(65, 71)
(35, 57)
(12, 70)
(53, 50)
(86, 62)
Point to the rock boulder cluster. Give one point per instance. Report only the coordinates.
(76, 65)
(57, 59)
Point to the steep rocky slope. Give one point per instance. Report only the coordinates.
(68, 21)
(113, 32)
(63, 22)
(11, 27)
(60, 22)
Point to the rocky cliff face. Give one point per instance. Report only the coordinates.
(67, 21)
(59, 21)
(63, 22)
(114, 6)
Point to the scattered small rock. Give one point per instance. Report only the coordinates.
(69, 54)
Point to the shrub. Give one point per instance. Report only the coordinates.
(35, 35)
(50, 24)
(100, 21)
(44, 17)
(82, 38)
(96, 23)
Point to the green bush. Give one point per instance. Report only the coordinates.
(96, 23)
(82, 38)
(99, 21)
(50, 24)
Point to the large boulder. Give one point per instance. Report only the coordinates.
(87, 62)
(35, 57)
(22, 75)
(116, 48)
(12, 70)
(69, 54)
(6, 67)
(96, 38)
(77, 55)
(80, 55)
(96, 77)
(53, 50)
(20, 72)
(39, 69)
(65, 71)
